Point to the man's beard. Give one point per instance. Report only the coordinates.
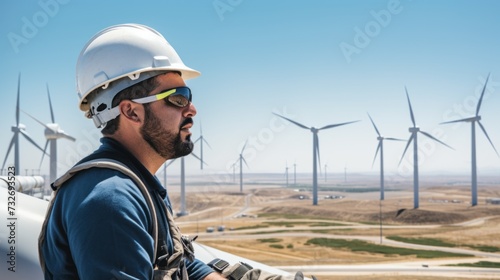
(168, 145)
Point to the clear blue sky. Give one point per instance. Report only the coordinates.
(318, 62)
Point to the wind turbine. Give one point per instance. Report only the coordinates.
(380, 148)
(286, 174)
(315, 150)
(326, 165)
(414, 130)
(242, 160)
(295, 173)
(53, 132)
(165, 174)
(473, 120)
(19, 128)
(234, 171)
(182, 209)
(201, 139)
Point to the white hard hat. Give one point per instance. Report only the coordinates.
(124, 54)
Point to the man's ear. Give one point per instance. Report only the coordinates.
(132, 111)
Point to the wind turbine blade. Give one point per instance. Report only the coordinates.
(485, 133)
(406, 148)
(18, 93)
(8, 151)
(482, 94)
(394, 139)
(246, 142)
(50, 104)
(205, 141)
(198, 158)
(411, 110)
(376, 153)
(294, 122)
(194, 155)
(456, 121)
(335, 125)
(245, 162)
(43, 155)
(30, 140)
(168, 164)
(69, 137)
(38, 121)
(435, 139)
(197, 140)
(374, 126)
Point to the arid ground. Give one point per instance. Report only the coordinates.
(278, 225)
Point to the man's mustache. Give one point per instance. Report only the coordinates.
(186, 122)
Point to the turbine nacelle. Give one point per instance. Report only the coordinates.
(18, 127)
(53, 131)
(314, 130)
(414, 129)
(472, 119)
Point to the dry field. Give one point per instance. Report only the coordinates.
(283, 223)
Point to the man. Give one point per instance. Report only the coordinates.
(105, 223)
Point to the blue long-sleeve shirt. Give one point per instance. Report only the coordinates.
(100, 224)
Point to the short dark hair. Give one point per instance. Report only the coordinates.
(138, 90)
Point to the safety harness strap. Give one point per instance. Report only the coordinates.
(173, 261)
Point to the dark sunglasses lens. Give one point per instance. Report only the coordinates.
(180, 98)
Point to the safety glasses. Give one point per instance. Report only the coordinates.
(179, 97)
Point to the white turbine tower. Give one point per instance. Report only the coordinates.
(286, 174)
(380, 148)
(234, 171)
(19, 128)
(414, 130)
(295, 173)
(315, 151)
(53, 132)
(242, 160)
(473, 120)
(183, 208)
(202, 140)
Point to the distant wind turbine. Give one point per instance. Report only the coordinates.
(18, 129)
(53, 132)
(165, 174)
(234, 171)
(242, 160)
(202, 140)
(380, 148)
(326, 165)
(473, 120)
(345, 173)
(286, 174)
(315, 150)
(414, 130)
(295, 174)
(183, 208)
